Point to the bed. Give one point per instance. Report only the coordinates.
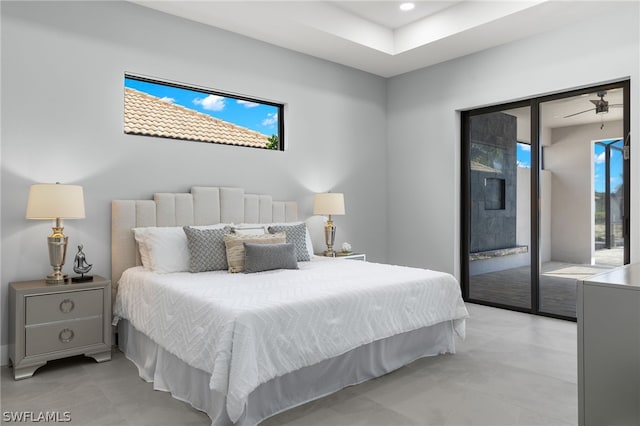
(243, 347)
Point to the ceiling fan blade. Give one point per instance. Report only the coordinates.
(581, 112)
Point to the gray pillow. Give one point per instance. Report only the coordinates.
(297, 235)
(266, 257)
(207, 251)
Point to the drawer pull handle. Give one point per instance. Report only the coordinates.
(67, 306)
(66, 335)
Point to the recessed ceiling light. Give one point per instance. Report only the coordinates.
(407, 6)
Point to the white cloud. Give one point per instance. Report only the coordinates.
(525, 147)
(270, 120)
(523, 165)
(168, 100)
(600, 158)
(211, 102)
(247, 104)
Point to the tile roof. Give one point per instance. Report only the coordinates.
(148, 115)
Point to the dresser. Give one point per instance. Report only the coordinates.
(609, 348)
(52, 321)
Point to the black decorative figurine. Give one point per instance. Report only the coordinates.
(80, 266)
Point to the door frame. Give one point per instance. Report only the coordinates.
(536, 157)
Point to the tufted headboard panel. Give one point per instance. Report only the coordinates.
(202, 206)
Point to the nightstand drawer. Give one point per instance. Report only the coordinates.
(52, 321)
(63, 306)
(63, 335)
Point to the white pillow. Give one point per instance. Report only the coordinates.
(138, 234)
(164, 249)
(307, 239)
(249, 230)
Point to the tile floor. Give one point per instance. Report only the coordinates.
(513, 369)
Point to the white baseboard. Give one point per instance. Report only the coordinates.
(4, 355)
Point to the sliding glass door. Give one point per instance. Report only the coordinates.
(545, 198)
(582, 188)
(499, 177)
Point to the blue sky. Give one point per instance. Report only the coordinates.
(259, 117)
(524, 160)
(523, 154)
(599, 167)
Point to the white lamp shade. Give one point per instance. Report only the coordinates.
(53, 201)
(329, 203)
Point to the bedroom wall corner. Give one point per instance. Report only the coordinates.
(424, 133)
(63, 65)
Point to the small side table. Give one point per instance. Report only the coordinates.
(352, 256)
(52, 321)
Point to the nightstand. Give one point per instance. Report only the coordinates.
(52, 321)
(352, 256)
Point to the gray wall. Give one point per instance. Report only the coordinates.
(62, 120)
(569, 159)
(424, 123)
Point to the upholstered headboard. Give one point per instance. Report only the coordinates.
(203, 206)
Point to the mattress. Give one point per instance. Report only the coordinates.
(247, 329)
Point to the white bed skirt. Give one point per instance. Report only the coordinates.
(170, 374)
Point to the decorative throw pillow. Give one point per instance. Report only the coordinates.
(308, 241)
(235, 247)
(207, 251)
(267, 257)
(296, 234)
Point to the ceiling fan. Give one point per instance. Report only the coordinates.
(601, 106)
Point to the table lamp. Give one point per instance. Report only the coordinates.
(56, 202)
(329, 203)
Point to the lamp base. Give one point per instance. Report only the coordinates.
(57, 243)
(330, 237)
(57, 278)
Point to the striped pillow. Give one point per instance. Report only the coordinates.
(234, 244)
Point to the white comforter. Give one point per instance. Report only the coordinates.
(246, 329)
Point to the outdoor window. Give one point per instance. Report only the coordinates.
(176, 111)
(523, 154)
